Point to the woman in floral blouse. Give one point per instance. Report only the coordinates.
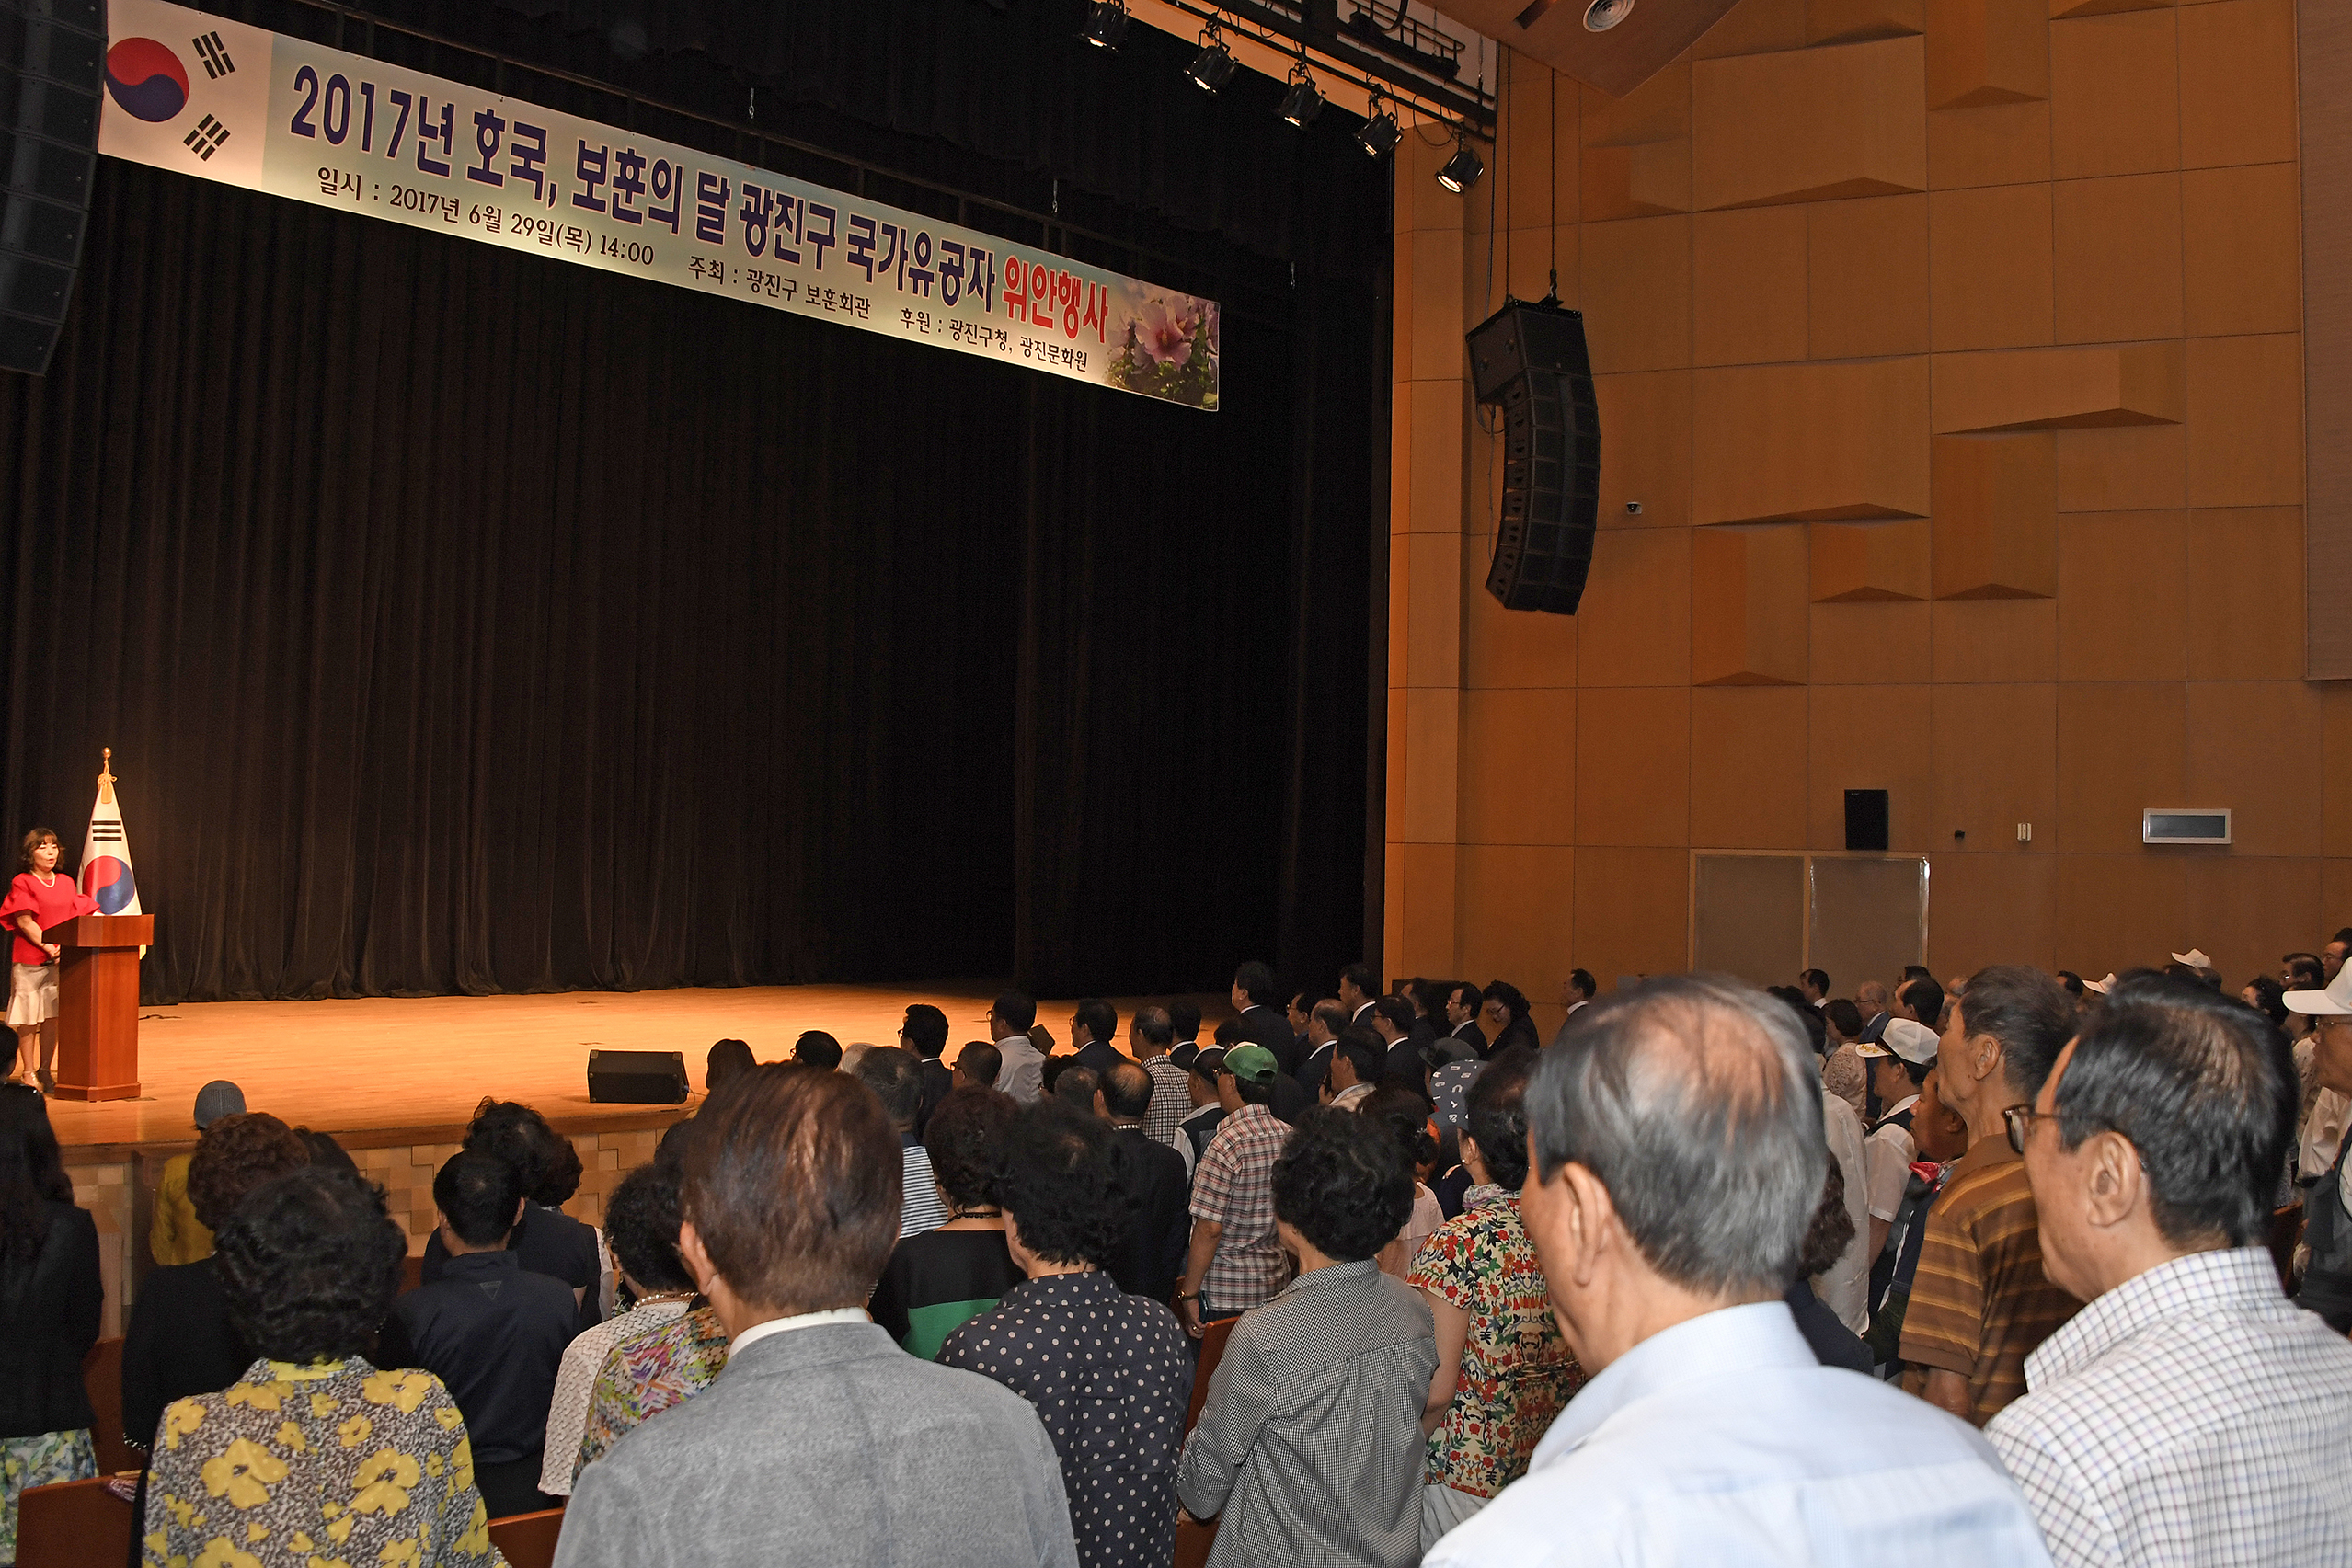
(314, 1454)
(1503, 1369)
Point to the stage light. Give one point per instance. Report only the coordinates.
(1379, 136)
(1106, 24)
(1213, 66)
(1303, 102)
(1463, 171)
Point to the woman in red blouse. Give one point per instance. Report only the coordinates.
(39, 899)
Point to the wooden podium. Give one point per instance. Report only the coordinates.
(97, 1005)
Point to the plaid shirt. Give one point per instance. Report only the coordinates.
(2191, 1416)
(1235, 1188)
(1171, 1103)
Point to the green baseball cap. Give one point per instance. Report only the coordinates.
(1252, 1064)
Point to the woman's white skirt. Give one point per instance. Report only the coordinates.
(32, 994)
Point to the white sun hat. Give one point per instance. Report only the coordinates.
(2195, 958)
(2335, 1001)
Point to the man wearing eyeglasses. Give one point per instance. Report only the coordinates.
(1980, 1303)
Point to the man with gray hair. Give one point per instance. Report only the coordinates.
(1676, 1158)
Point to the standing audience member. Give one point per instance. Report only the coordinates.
(896, 1077)
(931, 1284)
(1148, 1037)
(1576, 994)
(1507, 1017)
(1901, 1059)
(175, 1235)
(2189, 1413)
(1310, 1444)
(2328, 1205)
(818, 1050)
(314, 1451)
(1404, 1058)
(1943, 1137)
(1463, 1001)
(1503, 1370)
(546, 1240)
(728, 1058)
(977, 1067)
(812, 1446)
(1355, 1064)
(1844, 1285)
(1814, 985)
(1325, 1021)
(641, 1217)
(490, 1330)
(1149, 1258)
(1870, 1002)
(49, 1283)
(1358, 989)
(1234, 1260)
(1022, 1072)
(1094, 1028)
(1677, 1161)
(1207, 1113)
(646, 1375)
(1834, 1344)
(1428, 1005)
(1109, 1373)
(1295, 1012)
(1406, 1117)
(1449, 1092)
(1075, 1087)
(1843, 1072)
(926, 1034)
(181, 1340)
(1920, 1000)
(1980, 1303)
(1184, 1031)
(1257, 1008)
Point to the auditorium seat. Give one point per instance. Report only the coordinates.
(528, 1540)
(412, 1273)
(1193, 1538)
(2285, 1235)
(102, 1377)
(71, 1525)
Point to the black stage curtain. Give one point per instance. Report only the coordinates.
(466, 622)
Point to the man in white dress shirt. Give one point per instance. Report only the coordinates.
(2190, 1415)
(1676, 1156)
(1021, 1068)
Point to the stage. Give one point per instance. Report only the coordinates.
(376, 1071)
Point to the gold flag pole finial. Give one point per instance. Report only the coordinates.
(105, 776)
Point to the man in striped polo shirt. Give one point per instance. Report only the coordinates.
(1980, 1303)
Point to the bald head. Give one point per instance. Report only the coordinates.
(1870, 996)
(1692, 1099)
(1127, 1091)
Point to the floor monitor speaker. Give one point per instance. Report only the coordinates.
(1532, 360)
(637, 1078)
(53, 69)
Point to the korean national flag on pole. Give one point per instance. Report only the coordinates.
(106, 853)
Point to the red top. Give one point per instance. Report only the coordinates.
(50, 906)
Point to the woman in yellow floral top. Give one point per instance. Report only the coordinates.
(316, 1458)
(1503, 1369)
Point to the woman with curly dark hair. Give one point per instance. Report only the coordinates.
(1110, 1374)
(547, 1241)
(181, 1340)
(314, 1451)
(49, 1289)
(1310, 1444)
(937, 1281)
(1508, 1018)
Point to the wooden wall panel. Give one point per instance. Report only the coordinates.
(1995, 755)
(1633, 765)
(2123, 596)
(2324, 56)
(1747, 286)
(2246, 435)
(1869, 738)
(2240, 626)
(2242, 256)
(2118, 245)
(2121, 749)
(2114, 95)
(1517, 916)
(2116, 912)
(1633, 629)
(1986, 52)
(1633, 911)
(1989, 266)
(1866, 271)
(1748, 752)
(1991, 909)
(2237, 82)
(1869, 644)
(1519, 766)
(1748, 622)
(1814, 440)
(1980, 640)
(1809, 125)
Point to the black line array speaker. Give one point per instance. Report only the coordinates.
(1532, 360)
(1867, 819)
(637, 1078)
(52, 68)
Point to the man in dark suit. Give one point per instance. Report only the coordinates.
(1393, 1021)
(926, 1034)
(1150, 1261)
(1323, 1025)
(1092, 1027)
(1259, 1006)
(1428, 1006)
(1358, 989)
(1462, 1002)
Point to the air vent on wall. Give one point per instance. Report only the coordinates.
(2162, 826)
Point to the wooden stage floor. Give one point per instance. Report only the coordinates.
(376, 1066)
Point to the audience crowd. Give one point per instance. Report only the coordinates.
(2012, 1267)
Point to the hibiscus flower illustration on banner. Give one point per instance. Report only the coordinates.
(1167, 348)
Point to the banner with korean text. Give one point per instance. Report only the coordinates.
(208, 97)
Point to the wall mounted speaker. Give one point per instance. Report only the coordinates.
(1531, 361)
(53, 66)
(1867, 819)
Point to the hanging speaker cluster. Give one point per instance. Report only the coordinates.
(1532, 360)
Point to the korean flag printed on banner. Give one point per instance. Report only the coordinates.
(106, 853)
(185, 92)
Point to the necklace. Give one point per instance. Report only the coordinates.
(665, 1296)
(48, 881)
